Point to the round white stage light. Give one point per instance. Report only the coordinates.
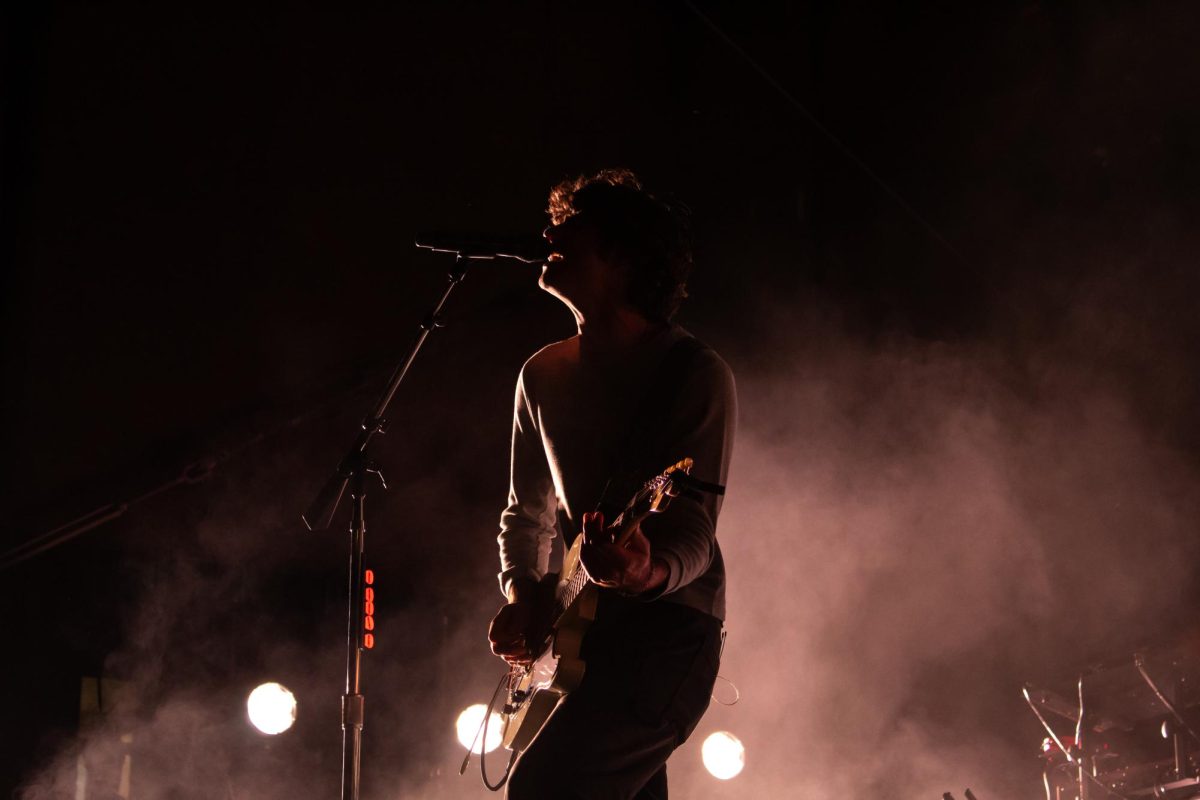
(723, 755)
(467, 728)
(271, 708)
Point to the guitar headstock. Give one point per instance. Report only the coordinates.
(653, 497)
(660, 489)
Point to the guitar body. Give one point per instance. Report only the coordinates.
(559, 669)
(536, 691)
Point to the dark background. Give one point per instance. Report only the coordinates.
(208, 220)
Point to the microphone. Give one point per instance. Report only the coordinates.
(484, 246)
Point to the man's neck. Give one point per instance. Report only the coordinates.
(617, 331)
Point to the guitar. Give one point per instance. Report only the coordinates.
(536, 690)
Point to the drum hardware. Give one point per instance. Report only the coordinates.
(1133, 738)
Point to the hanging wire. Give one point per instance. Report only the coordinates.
(829, 135)
(737, 695)
(196, 472)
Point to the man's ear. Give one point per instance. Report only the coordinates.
(616, 259)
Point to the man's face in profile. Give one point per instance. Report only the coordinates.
(575, 271)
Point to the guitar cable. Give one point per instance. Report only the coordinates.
(505, 680)
(737, 694)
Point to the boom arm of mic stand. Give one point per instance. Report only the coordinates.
(319, 515)
(320, 512)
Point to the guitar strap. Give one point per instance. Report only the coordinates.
(653, 411)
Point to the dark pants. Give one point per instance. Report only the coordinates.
(649, 676)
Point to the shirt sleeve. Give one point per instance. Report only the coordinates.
(701, 426)
(527, 525)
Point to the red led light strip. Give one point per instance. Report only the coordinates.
(368, 639)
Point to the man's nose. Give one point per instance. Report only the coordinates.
(549, 233)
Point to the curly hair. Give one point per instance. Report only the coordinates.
(652, 236)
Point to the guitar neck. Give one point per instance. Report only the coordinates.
(568, 591)
(573, 584)
(650, 499)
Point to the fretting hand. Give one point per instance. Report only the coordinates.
(629, 567)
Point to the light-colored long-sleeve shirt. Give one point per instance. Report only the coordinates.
(572, 421)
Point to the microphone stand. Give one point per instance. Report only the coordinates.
(352, 471)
